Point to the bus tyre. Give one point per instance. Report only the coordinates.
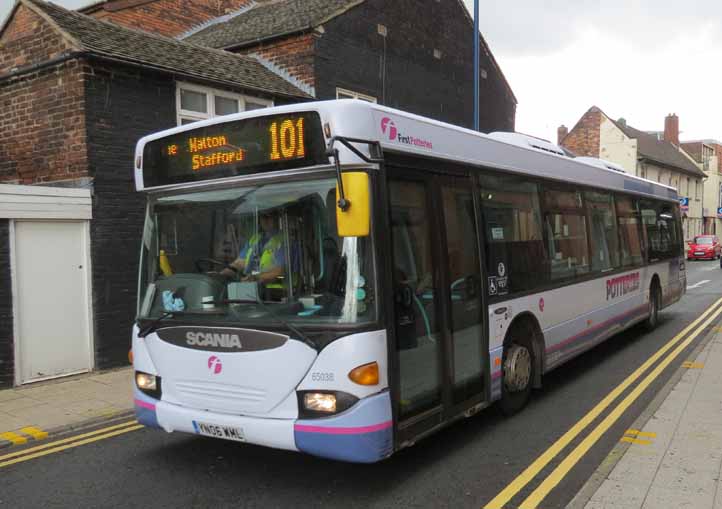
(653, 319)
(517, 375)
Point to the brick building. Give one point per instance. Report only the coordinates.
(163, 17)
(652, 155)
(76, 94)
(368, 49)
(708, 156)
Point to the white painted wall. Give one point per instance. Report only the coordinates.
(615, 146)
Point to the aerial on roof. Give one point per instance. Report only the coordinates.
(270, 19)
(650, 147)
(104, 39)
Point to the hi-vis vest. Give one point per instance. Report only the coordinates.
(269, 248)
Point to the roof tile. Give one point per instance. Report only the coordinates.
(270, 19)
(659, 151)
(135, 47)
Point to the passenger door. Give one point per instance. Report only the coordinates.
(438, 306)
(462, 267)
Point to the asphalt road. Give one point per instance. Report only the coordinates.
(465, 465)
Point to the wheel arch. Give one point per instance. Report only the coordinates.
(527, 323)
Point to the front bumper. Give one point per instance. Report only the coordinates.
(711, 255)
(361, 434)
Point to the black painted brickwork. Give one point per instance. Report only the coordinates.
(123, 104)
(6, 309)
(350, 54)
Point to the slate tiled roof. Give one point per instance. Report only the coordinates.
(165, 54)
(659, 151)
(271, 19)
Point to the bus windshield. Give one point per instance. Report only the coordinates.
(252, 254)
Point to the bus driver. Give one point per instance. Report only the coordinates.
(263, 258)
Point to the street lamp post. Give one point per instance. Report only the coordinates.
(476, 65)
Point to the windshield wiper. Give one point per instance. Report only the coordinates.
(268, 309)
(152, 326)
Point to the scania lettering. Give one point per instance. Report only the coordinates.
(355, 277)
(212, 339)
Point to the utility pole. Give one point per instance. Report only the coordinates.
(476, 65)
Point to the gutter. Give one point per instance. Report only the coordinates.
(90, 55)
(172, 72)
(686, 171)
(43, 65)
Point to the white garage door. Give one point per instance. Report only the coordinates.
(51, 259)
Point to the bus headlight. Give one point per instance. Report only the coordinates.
(315, 404)
(148, 384)
(320, 402)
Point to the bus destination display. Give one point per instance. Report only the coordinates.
(233, 148)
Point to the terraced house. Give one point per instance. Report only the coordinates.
(654, 155)
(79, 88)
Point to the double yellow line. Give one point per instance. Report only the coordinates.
(68, 443)
(676, 344)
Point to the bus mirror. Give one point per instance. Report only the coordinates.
(355, 220)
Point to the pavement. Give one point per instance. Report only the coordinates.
(44, 409)
(674, 459)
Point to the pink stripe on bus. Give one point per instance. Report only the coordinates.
(601, 325)
(143, 404)
(342, 431)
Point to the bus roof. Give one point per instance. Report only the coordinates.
(405, 133)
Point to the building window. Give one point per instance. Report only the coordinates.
(195, 103)
(342, 93)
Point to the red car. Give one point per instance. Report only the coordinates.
(704, 247)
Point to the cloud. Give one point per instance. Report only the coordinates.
(531, 27)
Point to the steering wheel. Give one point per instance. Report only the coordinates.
(210, 262)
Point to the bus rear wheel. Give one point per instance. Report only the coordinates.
(517, 375)
(654, 298)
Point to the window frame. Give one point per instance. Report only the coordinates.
(355, 95)
(211, 94)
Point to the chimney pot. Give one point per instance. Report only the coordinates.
(562, 132)
(671, 129)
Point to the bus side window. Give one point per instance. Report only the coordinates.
(602, 230)
(630, 233)
(566, 231)
(662, 232)
(513, 230)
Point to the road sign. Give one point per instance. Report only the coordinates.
(684, 204)
(719, 212)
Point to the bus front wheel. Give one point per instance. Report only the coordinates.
(517, 375)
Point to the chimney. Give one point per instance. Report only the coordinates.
(671, 129)
(562, 132)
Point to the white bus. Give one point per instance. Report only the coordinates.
(451, 269)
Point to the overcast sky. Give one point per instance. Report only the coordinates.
(637, 59)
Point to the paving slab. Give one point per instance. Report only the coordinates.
(63, 404)
(681, 466)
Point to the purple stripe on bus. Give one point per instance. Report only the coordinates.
(597, 327)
